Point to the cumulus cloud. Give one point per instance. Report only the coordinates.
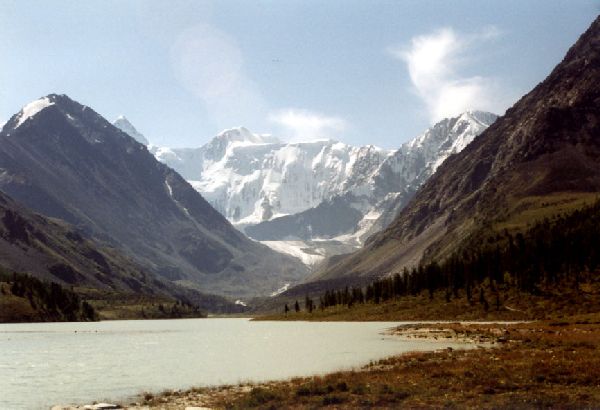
(307, 125)
(434, 62)
(209, 63)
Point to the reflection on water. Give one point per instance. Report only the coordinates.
(57, 363)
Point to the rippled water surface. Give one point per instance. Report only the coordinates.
(59, 363)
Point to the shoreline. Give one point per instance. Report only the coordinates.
(213, 396)
(552, 363)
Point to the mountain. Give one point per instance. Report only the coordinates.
(315, 199)
(251, 178)
(377, 193)
(539, 159)
(124, 125)
(54, 251)
(365, 208)
(63, 160)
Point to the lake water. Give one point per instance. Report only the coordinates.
(42, 364)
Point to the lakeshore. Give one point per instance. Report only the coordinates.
(108, 361)
(552, 363)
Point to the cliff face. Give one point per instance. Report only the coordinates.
(544, 150)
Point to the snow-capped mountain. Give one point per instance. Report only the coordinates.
(315, 199)
(252, 178)
(368, 205)
(409, 167)
(124, 125)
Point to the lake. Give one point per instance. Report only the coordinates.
(42, 364)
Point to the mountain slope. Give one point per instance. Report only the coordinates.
(64, 160)
(543, 154)
(54, 251)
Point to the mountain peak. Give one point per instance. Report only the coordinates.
(31, 110)
(461, 129)
(127, 127)
(483, 117)
(242, 134)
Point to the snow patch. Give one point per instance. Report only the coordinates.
(170, 190)
(281, 290)
(32, 109)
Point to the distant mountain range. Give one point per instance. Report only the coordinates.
(314, 199)
(63, 160)
(540, 159)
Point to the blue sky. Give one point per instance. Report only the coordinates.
(363, 72)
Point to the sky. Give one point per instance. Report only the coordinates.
(361, 72)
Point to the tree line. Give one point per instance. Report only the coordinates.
(563, 249)
(51, 300)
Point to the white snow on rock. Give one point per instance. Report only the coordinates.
(32, 109)
(170, 191)
(251, 178)
(297, 249)
(281, 290)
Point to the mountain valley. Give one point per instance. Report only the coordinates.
(113, 190)
(315, 199)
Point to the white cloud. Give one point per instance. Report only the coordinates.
(209, 63)
(434, 61)
(303, 125)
